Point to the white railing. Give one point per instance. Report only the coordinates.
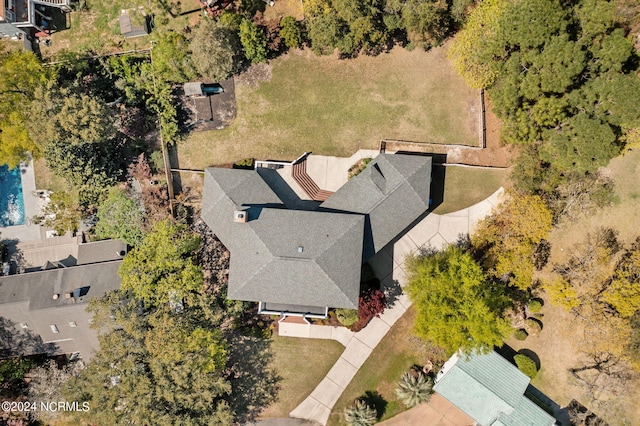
(53, 2)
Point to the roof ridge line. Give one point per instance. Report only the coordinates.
(488, 388)
(414, 172)
(334, 243)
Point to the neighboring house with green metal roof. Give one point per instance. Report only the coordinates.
(304, 258)
(490, 390)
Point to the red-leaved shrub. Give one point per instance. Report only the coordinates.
(371, 304)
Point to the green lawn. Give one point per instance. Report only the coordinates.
(396, 353)
(302, 364)
(45, 179)
(465, 186)
(96, 27)
(334, 107)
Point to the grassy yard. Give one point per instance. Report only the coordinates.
(96, 26)
(395, 354)
(302, 364)
(464, 187)
(283, 8)
(334, 107)
(559, 345)
(45, 179)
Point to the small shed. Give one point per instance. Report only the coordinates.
(133, 25)
(193, 89)
(198, 89)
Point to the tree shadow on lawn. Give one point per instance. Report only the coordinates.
(374, 400)
(254, 382)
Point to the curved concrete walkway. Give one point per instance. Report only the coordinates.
(435, 231)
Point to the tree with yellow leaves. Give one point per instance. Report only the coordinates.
(469, 52)
(506, 240)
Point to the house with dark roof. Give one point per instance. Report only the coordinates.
(296, 260)
(490, 390)
(44, 312)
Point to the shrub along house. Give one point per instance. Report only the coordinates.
(303, 261)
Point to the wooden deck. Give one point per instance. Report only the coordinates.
(300, 175)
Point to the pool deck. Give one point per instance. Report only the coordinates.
(29, 231)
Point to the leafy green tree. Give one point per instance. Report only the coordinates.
(290, 32)
(414, 390)
(582, 144)
(526, 365)
(78, 138)
(561, 76)
(63, 212)
(326, 33)
(170, 344)
(216, 50)
(231, 20)
(15, 144)
(254, 42)
(457, 307)
(22, 75)
(360, 414)
(350, 26)
(426, 22)
(161, 268)
(154, 368)
(120, 216)
(91, 168)
(469, 51)
(171, 59)
(460, 10)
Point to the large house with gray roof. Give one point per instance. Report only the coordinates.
(490, 390)
(300, 258)
(44, 312)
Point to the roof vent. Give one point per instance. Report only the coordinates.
(55, 296)
(240, 216)
(300, 249)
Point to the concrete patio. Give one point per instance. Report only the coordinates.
(329, 173)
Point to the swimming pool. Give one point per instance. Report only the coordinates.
(11, 198)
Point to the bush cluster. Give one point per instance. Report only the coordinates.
(526, 365)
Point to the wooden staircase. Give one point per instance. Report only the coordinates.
(300, 175)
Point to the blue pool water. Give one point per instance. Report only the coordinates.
(11, 199)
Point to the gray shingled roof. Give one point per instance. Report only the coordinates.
(282, 256)
(393, 191)
(28, 298)
(490, 390)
